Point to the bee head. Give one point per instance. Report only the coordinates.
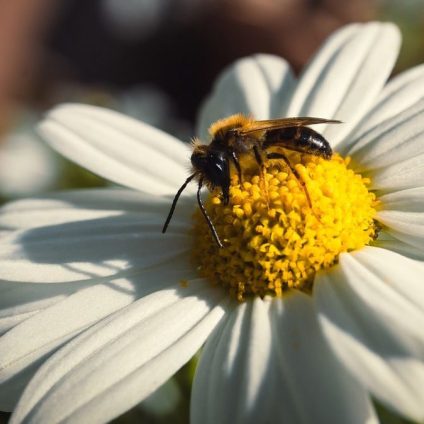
(213, 166)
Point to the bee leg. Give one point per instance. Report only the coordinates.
(237, 165)
(206, 216)
(260, 163)
(258, 156)
(275, 155)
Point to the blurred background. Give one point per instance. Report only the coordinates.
(154, 60)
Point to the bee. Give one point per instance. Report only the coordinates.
(238, 136)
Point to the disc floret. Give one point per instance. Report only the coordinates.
(274, 239)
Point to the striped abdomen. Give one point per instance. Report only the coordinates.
(300, 139)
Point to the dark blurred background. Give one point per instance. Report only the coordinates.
(154, 60)
(52, 50)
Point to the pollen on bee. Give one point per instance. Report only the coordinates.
(233, 121)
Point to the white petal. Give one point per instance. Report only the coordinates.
(269, 363)
(346, 76)
(404, 275)
(401, 93)
(56, 321)
(82, 205)
(316, 388)
(90, 249)
(8, 322)
(408, 173)
(20, 301)
(39, 212)
(232, 379)
(123, 359)
(391, 142)
(117, 147)
(402, 214)
(389, 242)
(410, 200)
(13, 389)
(392, 153)
(371, 310)
(405, 226)
(257, 85)
(34, 339)
(55, 324)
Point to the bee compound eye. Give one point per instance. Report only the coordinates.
(218, 170)
(198, 160)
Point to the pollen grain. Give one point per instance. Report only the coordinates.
(274, 239)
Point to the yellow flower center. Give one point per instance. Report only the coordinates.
(274, 238)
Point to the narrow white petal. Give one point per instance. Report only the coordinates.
(405, 226)
(56, 324)
(392, 142)
(37, 334)
(401, 93)
(90, 204)
(402, 275)
(13, 389)
(346, 76)
(314, 386)
(268, 362)
(30, 342)
(40, 212)
(392, 153)
(201, 410)
(256, 85)
(117, 147)
(370, 308)
(388, 241)
(19, 301)
(10, 321)
(233, 377)
(402, 214)
(405, 174)
(62, 315)
(90, 249)
(122, 360)
(409, 200)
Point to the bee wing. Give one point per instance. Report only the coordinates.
(284, 123)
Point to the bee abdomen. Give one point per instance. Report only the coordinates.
(300, 139)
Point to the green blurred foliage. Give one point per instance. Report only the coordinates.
(409, 16)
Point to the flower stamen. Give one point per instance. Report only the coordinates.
(274, 239)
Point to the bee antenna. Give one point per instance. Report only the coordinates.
(206, 216)
(174, 202)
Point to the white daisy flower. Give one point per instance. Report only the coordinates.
(99, 308)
